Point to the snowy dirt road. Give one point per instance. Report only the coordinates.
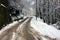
(22, 31)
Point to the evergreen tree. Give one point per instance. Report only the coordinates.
(4, 13)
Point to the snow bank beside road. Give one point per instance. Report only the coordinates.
(45, 29)
(8, 26)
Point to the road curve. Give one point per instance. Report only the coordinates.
(22, 31)
(9, 29)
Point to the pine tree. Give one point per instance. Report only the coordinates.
(4, 14)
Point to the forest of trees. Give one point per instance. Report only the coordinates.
(47, 10)
(13, 7)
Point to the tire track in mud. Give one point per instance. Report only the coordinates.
(26, 32)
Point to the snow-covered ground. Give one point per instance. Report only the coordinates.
(41, 27)
(45, 29)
